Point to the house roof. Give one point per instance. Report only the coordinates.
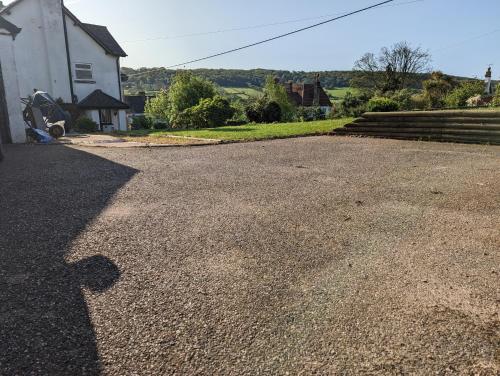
(100, 34)
(98, 100)
(303, 94)
(10, 27)
(137, 103)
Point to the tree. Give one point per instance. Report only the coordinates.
(437, 87)
(186, 91)
(466, 90)
(275, 92)
(395, 68)
(158, 107)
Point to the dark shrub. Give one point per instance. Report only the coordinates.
(380, 104)
(161, 125)
(84, 124)
(210, 113)
(142, 122)
(353, 105)
(272, 113)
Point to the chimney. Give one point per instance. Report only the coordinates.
(317, 87)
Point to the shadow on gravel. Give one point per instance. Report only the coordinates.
(48, 195)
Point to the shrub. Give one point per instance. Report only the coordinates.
(210, 113)
(420, 102)
(380, 104)
(310, 114)
(263, 111)
(84, 124)
(467, 89)
(142, 122)
(158, 107)
(272, 113)
(353, 105)
(275, 92)
(496, 98)
(404, 99)
(437, 87)
(161, 125)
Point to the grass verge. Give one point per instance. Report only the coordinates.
(249, 132)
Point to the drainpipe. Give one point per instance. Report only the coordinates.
(70, 73)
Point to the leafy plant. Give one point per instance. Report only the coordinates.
(142, 122)
(209, 113)
(310, 114)
(84, 124)
(353, 105)
(275, 92)
(158, 106)
(467, 89)
(272, 113)
(437, 88)
(380, 104)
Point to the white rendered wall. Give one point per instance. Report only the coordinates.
(40, 51)
(11, 86)
(84, 49)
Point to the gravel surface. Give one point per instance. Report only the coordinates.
(320, 255)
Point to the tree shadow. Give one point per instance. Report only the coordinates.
(48, 195)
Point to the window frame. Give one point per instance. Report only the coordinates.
(103, 118)
(78, 68)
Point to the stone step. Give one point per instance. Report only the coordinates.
(420, 119)
(366, 124)
(429, 137)
(424, 131)
(434, 114)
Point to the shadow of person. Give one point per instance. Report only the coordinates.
(48, 195)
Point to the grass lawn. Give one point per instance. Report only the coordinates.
(340, 93)
(243, 92)
(249, 132)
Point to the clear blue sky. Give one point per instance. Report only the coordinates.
(446, 27)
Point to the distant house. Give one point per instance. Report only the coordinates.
(137, 103)
(46, 47)
(309, 95)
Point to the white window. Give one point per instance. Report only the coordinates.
(83, 72)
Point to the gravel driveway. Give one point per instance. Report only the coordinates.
(317, 255)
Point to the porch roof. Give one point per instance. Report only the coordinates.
(98, 100)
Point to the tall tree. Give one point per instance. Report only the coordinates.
(394, 68)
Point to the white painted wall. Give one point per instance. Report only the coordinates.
(84, 49)
(40, 52)
(119, 120)
(11, 86)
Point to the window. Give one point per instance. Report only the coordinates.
(83, 72)
(106, 117)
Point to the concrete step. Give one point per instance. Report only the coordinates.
(421, 119)
(434, 114)
(423, 131)
(473, 139)
(375, 125)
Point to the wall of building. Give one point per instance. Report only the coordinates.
(11, 86)
(84, 49)
(119, 120)
(40, 51)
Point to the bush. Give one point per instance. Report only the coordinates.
(467, 89)
(210, 113)
(310, 114)
(84, 124)
(275, 92)
(141, 122)
(380, 104)
(272, 113)
(420, 102)
(404, 99)
(496, 98)
(353, 105)
(161, 125)
(263, 111)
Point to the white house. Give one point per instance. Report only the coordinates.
(44, 46)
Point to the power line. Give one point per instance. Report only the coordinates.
(253, 27)
(274, 38)
(282, 35)
(466, 41)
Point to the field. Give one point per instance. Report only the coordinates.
(243, 92)
(340, 93)
(249, 132)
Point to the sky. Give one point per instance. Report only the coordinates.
(461, 35)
